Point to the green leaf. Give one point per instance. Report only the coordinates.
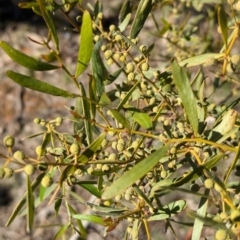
(134, 174)
(86, 112)
(38, 85)
(23, 200)
(125, 11)
(90, 188)
(142, 119)
(202, 210)
(200, 59)
(128, 95)
(125, 22)
(169, 210)
(120, 118)
(61, 231)
(78, 123)
(222, 21)
(25, 60)
(57, 205)
(112, 77)
(90, 151)
(98, 68)
(49, 22)
(185, 92)
(86, 44)
(89, 218)
(144, 8)
(93, 95)
(30, 206)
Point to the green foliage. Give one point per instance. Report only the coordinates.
(134, 146)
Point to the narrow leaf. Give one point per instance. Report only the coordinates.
(86, 44)
(135, 173)
(98, 68)
(49, 22)
(200, 59)
(61, 231)
(222, 21)
(126, 9)
(25, 60)
(142, 119)
(23, 200)
(125, 22)
(185, 92)
(120, 118)
(144, 8)
(90, 188)
(202, 210)
(86, 112)
(89, 218)
(38, 85)
(30, 206)
(169, 210)
(90, 151)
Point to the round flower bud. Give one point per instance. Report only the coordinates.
(42, 166)
(105, 167)
(173, 150)
(108, 54)
(114, 145)
(29, 169)
(2, 173)
(127, 196)
(96, 38)
(221, 234)
(46, 181)
(131, 76)
(78, 172)
(120, 147)
(235, 59)
(152, 101)
(19, 156)
(144, 66)
(37, 120)
(110, 61)
(155, 109)
(118, 197)
(143, 48)
(90, 170)
(135, 144)
(8, 141)
(104, 143)
(103, 48)
(208, 183)
(149, 92)
(112, 156)
(71, 180)
(143, 85)
(74, 149)
(111, 133)
(58, 121)
(163, 174)
(130, 67)
(112, 27)
(99, 166)
(8, 172)
(40, 151)
(122, 58)
(100, 16)
(118, 37)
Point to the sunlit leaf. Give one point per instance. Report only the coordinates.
(25, 60)
(199, 59)
(185, 92)
(142, 119)
(135, 173)
(169, 210)
(89, 218)
(143, 10)
(125, 22)
(89, 152)
(125, 11)
(120, 118)
(90, 187)
(61, 231)
(37, 85)
(86, 44)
